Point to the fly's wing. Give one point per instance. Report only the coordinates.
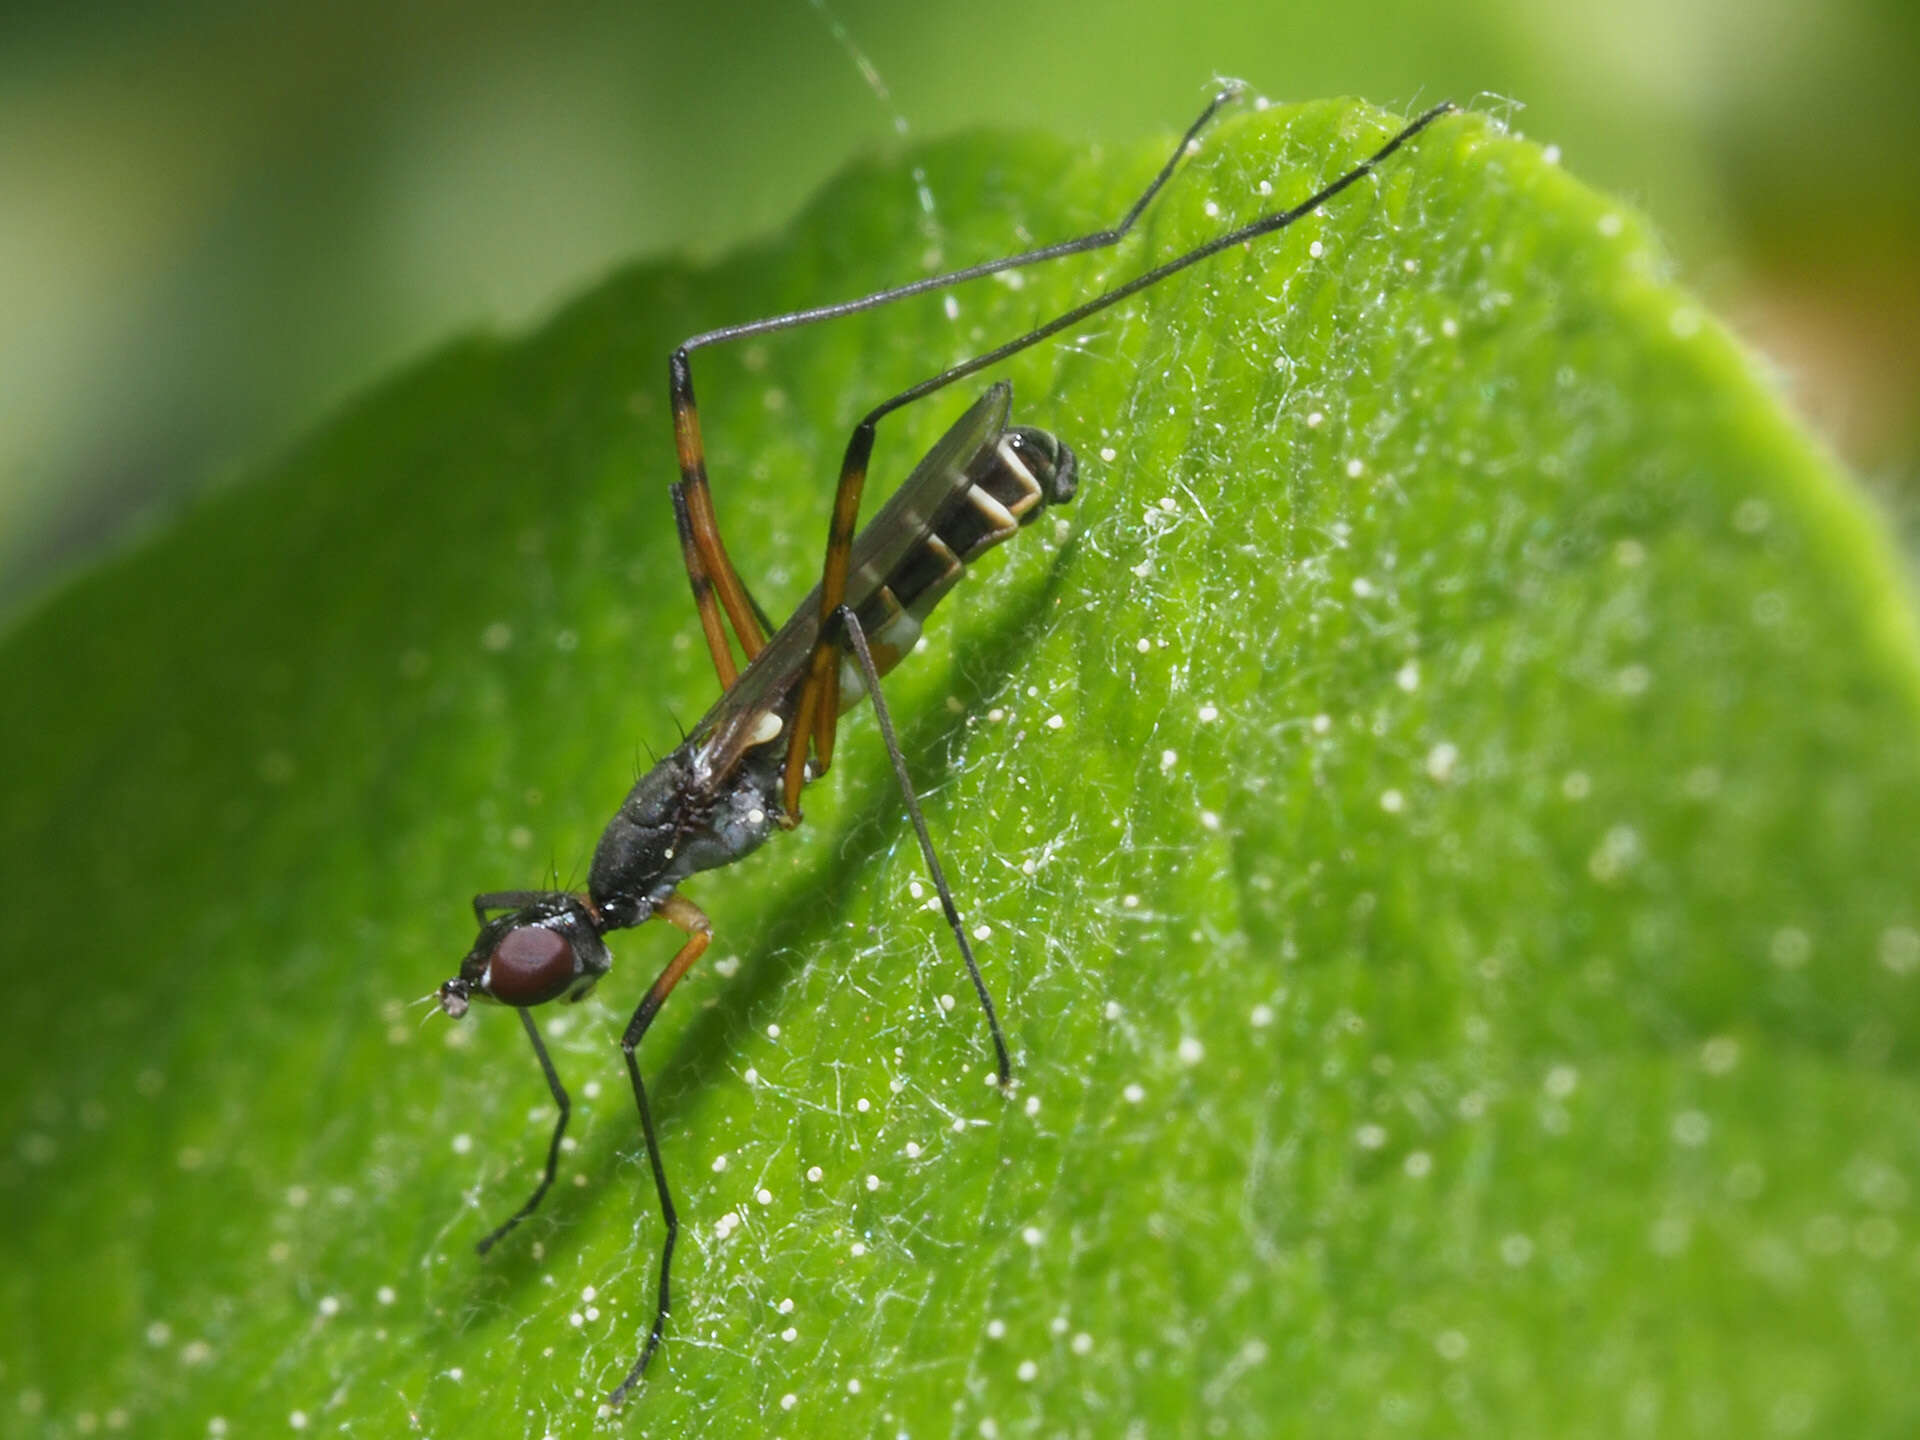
(878, 550)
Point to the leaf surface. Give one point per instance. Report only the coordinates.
(1437, 812)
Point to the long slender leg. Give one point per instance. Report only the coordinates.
(823, 671)
(700, 548)
(862, 441)
(819, 709)
(796, 773)
(700, 579)
(858, 637)
(685, 915)
(1080, 245)
(709, 568)
(553, 1147)
(693, 506)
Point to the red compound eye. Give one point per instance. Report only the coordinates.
(531, 965)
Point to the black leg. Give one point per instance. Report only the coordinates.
(1265, 225)
(553, 1148)
(716, 584)
(686, 915)
(858, 638)
(819, 702)
(1080, 245)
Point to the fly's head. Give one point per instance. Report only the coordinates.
(546, 947)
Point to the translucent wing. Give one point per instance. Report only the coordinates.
(887, 540)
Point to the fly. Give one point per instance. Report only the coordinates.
(737, 777)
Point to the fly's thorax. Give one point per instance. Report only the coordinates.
(1008, 484)
(680, 818)
(634, 864)
(739, 817)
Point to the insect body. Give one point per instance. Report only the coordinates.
(717, 797)
(737, 778)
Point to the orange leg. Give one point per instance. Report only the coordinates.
(709, 568)
(711, 623)
(818, 714)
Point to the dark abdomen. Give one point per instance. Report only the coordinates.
(1009, 483)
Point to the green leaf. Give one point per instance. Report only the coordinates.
(1438, 810)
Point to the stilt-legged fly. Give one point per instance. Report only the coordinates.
(737, 778)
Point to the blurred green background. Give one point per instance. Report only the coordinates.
(219, 219)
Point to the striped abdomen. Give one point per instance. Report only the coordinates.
(1007, 484)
